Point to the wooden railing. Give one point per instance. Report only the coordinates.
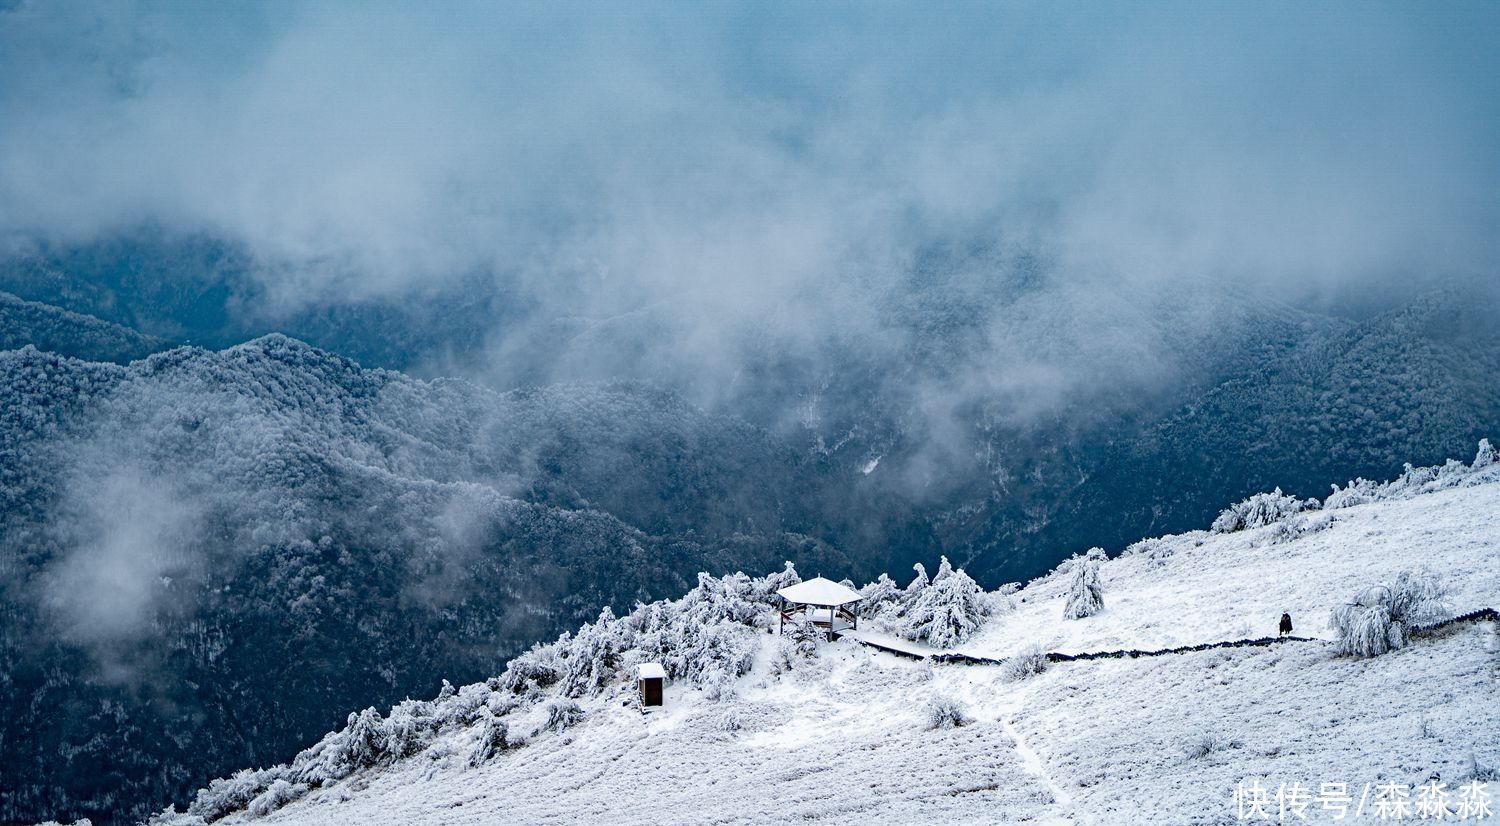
(819, 616)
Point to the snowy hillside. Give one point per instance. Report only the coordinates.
(756, 728)
(236, 547)
(239, 546)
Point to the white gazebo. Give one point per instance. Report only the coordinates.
(805, 600)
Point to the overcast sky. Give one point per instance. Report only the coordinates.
(733, 160)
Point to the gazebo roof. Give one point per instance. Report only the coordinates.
(819, 591)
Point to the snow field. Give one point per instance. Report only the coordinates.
(1158, 740)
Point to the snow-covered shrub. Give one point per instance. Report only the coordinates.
(1155, 550)
(804, 638)
(1260, 510)
(1149, 547)
(1204, 745)
(1414, 481)
(1028, 662)
(924, 672)
(562, 714)
(1411, 481)
(531, 673)
(728, 721)
(461, 708)
(1382, 617)
(1003, 599)
(718, 686)
(277, 795)
(948, 610)
(1299, 526)
(1086, 591)
(231, 794)
(1358, 492)
(943, 712)
(493, 739)
(783, 657)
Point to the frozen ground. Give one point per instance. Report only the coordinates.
(1154, 740)
(1200, 587)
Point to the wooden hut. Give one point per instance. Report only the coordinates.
(823, 602)
(650, 677)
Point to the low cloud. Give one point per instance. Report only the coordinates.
(129, 535)
(673, 192)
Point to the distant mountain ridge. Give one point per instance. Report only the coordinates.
(72, 334)
(1415, 384)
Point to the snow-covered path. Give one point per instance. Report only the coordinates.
(1033, 763)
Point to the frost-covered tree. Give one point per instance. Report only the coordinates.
(230, 794)
(408, 728)
(1382, 617)
(1085, 591)
(918, 582)
(879, 597)
(763, 589)
(908, 597)
(945, 570)
(1486, 455)
(1260, 510)
(947, 611)
(361, 744)
(593, 660)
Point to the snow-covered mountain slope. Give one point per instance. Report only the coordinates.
(847, 734)
(1200, 587)
(236, 547)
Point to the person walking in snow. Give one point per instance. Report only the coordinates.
(1286, 624)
